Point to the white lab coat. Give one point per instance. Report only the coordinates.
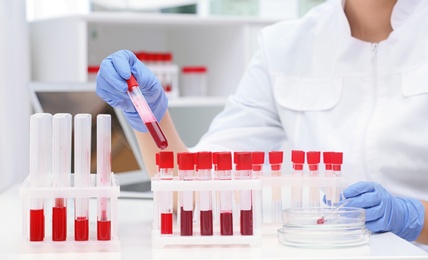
(312, 86)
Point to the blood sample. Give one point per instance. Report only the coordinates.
(40, 168)
(61, 168)
(224, 172)
(146, 113)
(243, 172)
(186, 166)
(166, 166)
(103, 175)
(298, 159)
(313, 159)
(203, 167)
(275, 161)
(82, 171)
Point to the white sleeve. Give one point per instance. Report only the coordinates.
(250, 119)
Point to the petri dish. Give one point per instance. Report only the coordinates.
(323, 227)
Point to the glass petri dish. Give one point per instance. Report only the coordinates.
(323, 227)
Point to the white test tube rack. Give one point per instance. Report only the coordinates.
(325, 184)
(161, 240)
(48, 194)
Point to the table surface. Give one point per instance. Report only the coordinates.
(135, 225)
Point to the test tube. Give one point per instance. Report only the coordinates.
(298, 159)
(82, 171)
(275, 161)
(40, 168)
(186, 168)
(103, 175)
(224, 172)
(166, 167)
(61, 169)
(327, 157)
(203, 167)
(258, 159)
(243, 172)
(313, 159)
(146, 113)
(336, 161)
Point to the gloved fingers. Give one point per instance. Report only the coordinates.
(366, 200)
(358, 188)
(109, 79)
(122, 62)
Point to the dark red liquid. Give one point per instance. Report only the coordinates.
(59, 223)
(226, 224)
(81, 229)
(207, 223)
(104, 230)
(157, 134)
(166, 223)
(186, 222)
(247, 222)
(320, 221)
(37, 225)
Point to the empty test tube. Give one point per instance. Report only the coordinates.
(40, 169)
(336, 162)
(224, 172)
(82, 171)
(275, 161)
(166, 167)
(313, 159)
(186, 171)
(61, 169)
(104, 175)
(298, 159)
(327, 157)
(203, 168)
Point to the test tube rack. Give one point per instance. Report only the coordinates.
(286, 182)
(48, 194)
(215, 186)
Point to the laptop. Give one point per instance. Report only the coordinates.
(74, 98)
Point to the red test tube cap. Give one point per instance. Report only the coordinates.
(298, 159)
(224, 161)
(337, 160)
(313, 158)
(327, 158)
(275, 160)
(258, 158)
(186, 161)
(204, 161)
(157, 159)
(243, 161)
(166, 159)
(132, 82)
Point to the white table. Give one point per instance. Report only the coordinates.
(135, 223)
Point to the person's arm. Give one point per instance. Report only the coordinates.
(423, 237)
(149, 149)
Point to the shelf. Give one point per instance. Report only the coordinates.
(197, 102)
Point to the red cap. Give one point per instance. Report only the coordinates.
(93, 69)
(204, 161)
(157, 159)
(132, 82)
(215, 157)
(186, 161)
(243, 161)
(327, 157)
(275, 160)
(337, 160)
(167, 56)
(258, 157)
(224, 161)
(166, 159)
(298, 159)
(194, 69)
(313, 159)
(141, 55)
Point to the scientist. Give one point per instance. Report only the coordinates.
(349, 76)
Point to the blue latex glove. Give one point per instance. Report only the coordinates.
(112, 86)
(385, 212)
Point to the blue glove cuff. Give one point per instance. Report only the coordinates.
(414, 222)
(160, 107)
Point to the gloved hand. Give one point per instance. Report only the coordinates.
(112, 86)
(385, 212)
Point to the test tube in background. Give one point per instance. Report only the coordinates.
(327, 157)
(224, 172)
(104, 175)
(275, 161)
(203, 167)
(166, 167)
(186, 168)
(298, 159)
(40, 168)
(82, 171)
(243, 172)
(313, 159)
(258, 159)
(61, 169)
(336, 161)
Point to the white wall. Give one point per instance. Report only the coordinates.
(14, 100)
